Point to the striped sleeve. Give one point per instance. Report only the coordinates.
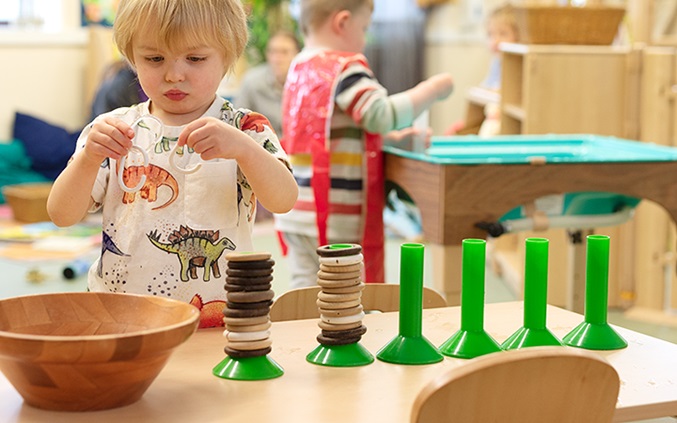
(360, 96)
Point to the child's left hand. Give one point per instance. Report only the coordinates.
(212, 139)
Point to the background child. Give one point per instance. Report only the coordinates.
(333, 113)
(501, 27)
(261, 87)
(170, 237)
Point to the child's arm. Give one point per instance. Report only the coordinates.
(423, 95)
(70, 197)
(269, 178)
(361, 96)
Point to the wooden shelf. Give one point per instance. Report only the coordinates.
(565, 89)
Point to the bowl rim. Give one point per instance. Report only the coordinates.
(192, 320)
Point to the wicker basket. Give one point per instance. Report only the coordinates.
(568, 25)
(28, 201)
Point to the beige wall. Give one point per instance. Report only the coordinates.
(44, 79)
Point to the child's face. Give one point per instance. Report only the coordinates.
(356, 31)
(500, 31)
(280, 52)
(180, 84)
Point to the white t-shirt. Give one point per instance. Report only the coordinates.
(171, 237)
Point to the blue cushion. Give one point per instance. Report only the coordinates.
(48, 146)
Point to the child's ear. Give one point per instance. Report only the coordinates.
(340, 20)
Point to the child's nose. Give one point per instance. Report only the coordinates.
(175, 72)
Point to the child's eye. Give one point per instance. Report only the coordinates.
(154, 59)
(197, 58)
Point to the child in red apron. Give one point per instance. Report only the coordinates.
(334, 112)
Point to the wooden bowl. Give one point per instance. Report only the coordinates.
(89, 351)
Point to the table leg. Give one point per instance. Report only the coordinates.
(446, 261)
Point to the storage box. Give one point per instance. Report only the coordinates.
(28, 201)
(592, 25)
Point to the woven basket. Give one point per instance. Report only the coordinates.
(28, 201)
(568, 25)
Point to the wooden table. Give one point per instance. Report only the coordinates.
(453, 197)
(186, 390)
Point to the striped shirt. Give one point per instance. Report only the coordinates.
(361, 105)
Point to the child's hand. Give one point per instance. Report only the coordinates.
(109, 137)
(455, 127)
(212, 139)
(443, 84)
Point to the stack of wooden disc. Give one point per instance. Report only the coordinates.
(247, 314)
(340, 297)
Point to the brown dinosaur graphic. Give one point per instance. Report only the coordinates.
(156, 177)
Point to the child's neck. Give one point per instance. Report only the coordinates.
(323, 40)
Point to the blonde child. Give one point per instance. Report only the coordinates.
(334, 111)
(501, 27)
(170, 237)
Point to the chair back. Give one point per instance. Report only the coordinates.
(538, 384)
(301, 303)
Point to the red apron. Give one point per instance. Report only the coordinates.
(307, 108)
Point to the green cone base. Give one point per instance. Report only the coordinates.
(250, 368)
(350, 355)
(409, 350)
(467, 344)
(529, 337)
(595, 336)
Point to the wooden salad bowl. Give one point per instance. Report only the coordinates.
(89, 351)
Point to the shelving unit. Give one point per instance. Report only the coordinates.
(565, 89)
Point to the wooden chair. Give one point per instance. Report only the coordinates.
(539, 384)
(300, 303)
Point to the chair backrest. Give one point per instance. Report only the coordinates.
(538, 384)
(300, 303)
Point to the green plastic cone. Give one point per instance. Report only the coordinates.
(595, 333)
(409, 346)
(350, 355)
(534, 333)
(250, 368)
(471, 340)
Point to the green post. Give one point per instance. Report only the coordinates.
(411, 289)
(472, 280)
(595, 333)
(409, 346)
(471, 340)
(597, 279)
(534, 333)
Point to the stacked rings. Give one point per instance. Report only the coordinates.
(249, 297)
(340, 298)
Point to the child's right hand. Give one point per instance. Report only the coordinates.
(109, 137)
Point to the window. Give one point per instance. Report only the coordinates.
(25, 14)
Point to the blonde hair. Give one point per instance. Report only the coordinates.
(316, 12)
(505, 14)
(180, 23)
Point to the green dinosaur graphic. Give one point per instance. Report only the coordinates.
(194, 249)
